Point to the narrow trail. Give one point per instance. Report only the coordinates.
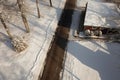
(55, 56)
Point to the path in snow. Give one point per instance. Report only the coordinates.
(56, 54)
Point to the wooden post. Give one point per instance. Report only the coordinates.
(6, 28)
(50, 3)
(38, 10)
(20, 5)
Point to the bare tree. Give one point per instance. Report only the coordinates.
(7, 10)
(17, 42)
(5, 26)
(50, 2)
(38, 10)
(21, 7)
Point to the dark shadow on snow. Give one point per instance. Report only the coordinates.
(100, 61)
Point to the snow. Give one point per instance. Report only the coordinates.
(28, 64)
(86, 60)
(104, 15)
(90, 59)
(82, 3)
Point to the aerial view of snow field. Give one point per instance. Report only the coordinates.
(59, 39)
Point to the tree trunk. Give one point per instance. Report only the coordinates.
(50, 3)
(38, 10)
(20, 5)
(6, 28)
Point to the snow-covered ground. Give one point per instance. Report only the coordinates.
(28, 64)
(91, 59)
(104, 15)
(86, 60)
(82, 3)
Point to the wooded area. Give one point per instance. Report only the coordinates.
(10, 8)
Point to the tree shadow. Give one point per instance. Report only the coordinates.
(42, 2)
(72, 74)
(12, 72)
(19, 27)
(6, 40)
(58, 11)
(104, 62)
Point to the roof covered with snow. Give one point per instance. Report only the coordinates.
(82, 3)
(102, 14)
